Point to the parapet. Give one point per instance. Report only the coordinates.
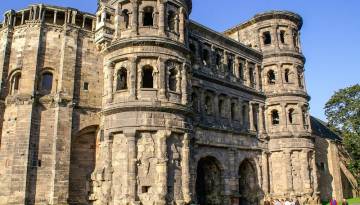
(40, 13)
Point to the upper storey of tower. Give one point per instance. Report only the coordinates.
(270, 32)
(123, 19)
(49, 15)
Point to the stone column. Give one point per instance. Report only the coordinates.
(288, 170)
(265, 170)
(135, 17)
(109, 72)
(162, 11)
(236, 67)
(185, 169)
(163, 78)
(276, 36)
(132, 79)
(246, 74)
(261, 119)
(184, 84)
(161, 166)
(132, 159)
(22, 17)
(73, 20)
(182, 25)
(55, 16)
(251, 117)
(283, 117)
(305, 171)
(216, 106)
(314, 172)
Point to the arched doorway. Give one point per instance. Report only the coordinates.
(209, 182)
(248, 184)
(82, 164)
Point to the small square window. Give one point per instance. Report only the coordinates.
(86, 86)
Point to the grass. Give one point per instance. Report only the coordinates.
(351, 201)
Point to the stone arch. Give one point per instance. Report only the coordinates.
(248, 183)
(209, 181)
(14, 83)
(82, 164)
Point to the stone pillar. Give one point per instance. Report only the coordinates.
(162, 11)
(305, 171)
(73, 20)
(135, 17)
(265, 171)
(314, 173)
(261, 124)
(185, 169)
(161, 166)
(55, 16)
(109, 72)
(276, 36)
(246, 74)
(182, 25)
(184, 84)
(216, 106)
(288, 170)
(22, 17)
(132, 81)
(236, 67)
(163, 78)
(132, 159)
(283, 117)
(251, 117)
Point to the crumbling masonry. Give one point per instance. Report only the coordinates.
(140, 105)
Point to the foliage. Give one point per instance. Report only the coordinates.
(343, 114)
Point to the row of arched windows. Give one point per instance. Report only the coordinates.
(216, 59)
(288, 77)
(267, 38)
(45, 84)
(148, 18)
(226, 108)
(291, 117)
(147, 78)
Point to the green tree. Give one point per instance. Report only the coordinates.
(343, 114)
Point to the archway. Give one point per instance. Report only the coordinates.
(248, 184)
(82, 164)
(209, 182)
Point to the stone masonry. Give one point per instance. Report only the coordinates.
(138, 104)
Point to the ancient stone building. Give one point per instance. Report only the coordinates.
(138, 104)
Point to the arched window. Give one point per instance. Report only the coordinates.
(271, 77)
(300, 79)
(241, 70)
(15, 83)
(230, 64)
(282, 36)
(148, 18)
(251, 77)
(208, 105)
(267, 38)
(291, 115)
(221, 107)
(148, 78)
(287, 75)
(233, 111)
(125, 16)
(171, 20)
(173, 79)
(244, 115)
(275, 119)
(218, 60)
(206, 57)
(195, 102)
(46, 82)
(121, 79)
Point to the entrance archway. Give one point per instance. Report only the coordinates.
(248, 184)
(209, 182)
(82, 164)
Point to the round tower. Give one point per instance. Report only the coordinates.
(291, 147)
(144, 148)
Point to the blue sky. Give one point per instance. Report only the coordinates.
(330, 35)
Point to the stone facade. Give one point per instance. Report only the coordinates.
(137, 104)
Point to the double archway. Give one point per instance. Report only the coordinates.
(210, 187)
